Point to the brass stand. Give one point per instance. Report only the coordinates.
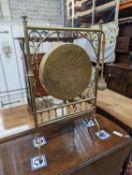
(43, 116)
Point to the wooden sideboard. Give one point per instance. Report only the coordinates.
(64, 156)
(119, 78)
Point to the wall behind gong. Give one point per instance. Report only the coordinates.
(39, 12)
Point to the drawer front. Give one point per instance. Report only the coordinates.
(115, 79)
(121, 47)
(115, 72)
(119, 80)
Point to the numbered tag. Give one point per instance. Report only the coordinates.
(89, 123)
(38, 163)
(102, 134)
(42, 142)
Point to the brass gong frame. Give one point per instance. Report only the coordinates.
(46, 114)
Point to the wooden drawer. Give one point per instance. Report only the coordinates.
(119, 80)
(115, 79)
(121, 47)
(114, 72)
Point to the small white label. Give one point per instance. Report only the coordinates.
(118, 133)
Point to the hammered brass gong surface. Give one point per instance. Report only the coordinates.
(65, 71)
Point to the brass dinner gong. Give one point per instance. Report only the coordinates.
(65, 71)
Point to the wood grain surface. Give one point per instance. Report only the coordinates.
(66, 157)
(15, 120)
(116, 105)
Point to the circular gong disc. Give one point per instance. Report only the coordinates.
(65, 71)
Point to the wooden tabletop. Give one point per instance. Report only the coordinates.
(116, 105)
(15, 120)
(61, 151)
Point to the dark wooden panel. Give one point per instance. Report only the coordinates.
(123, 48)
(123, 44)
(125, 29)
(104, 167)
(122, 58)
(115, 79)
(119, 78)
